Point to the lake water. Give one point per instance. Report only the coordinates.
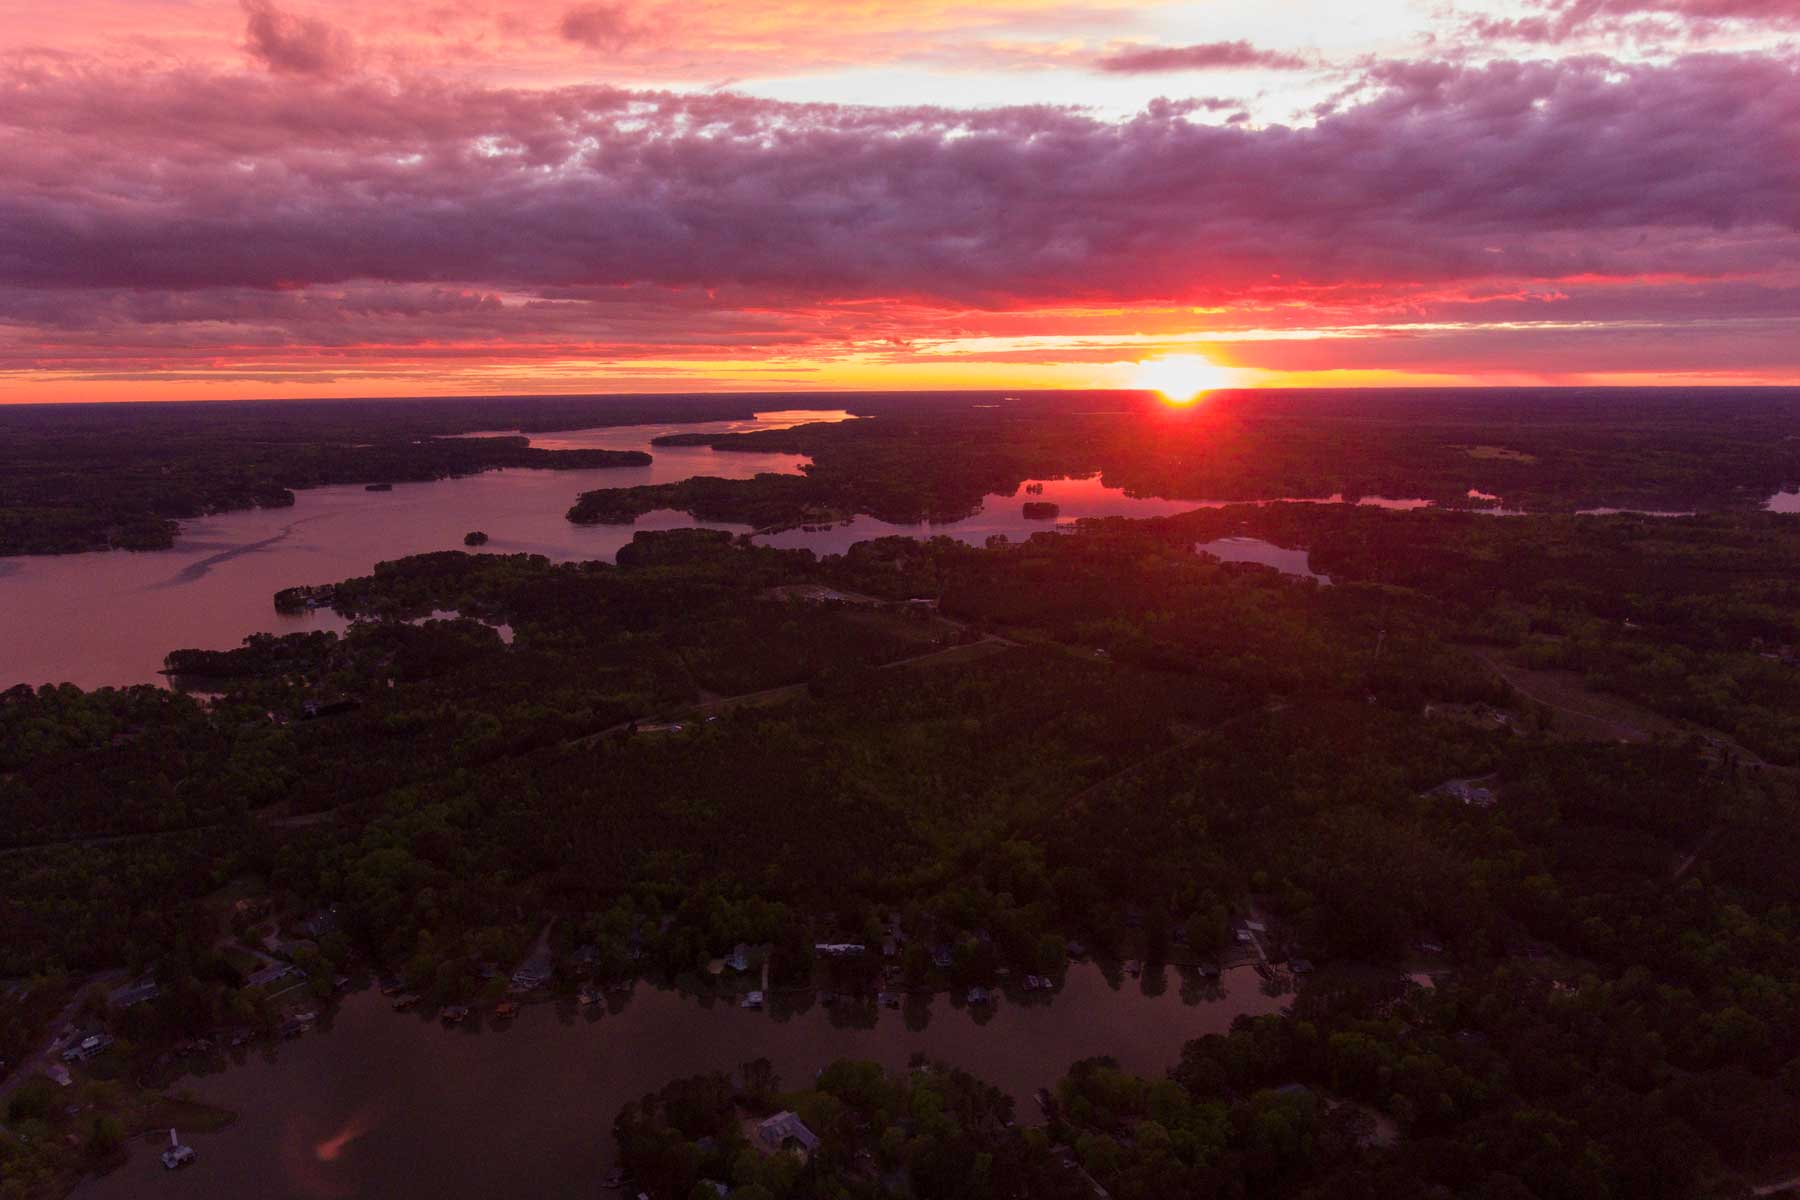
(1255, 550)
(1076, 500)
(1000, 514)
(110, 617)
(381, 1104)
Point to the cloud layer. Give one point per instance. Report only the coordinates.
(1205, 56)
(305, 213)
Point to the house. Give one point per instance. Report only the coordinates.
(753, 1000)
(142, 990)
(529, 979)
(940, 957)
(273, 973)
(783, 1131)
(978, 995)
(739, 958)
(839, 949)
(317, 925)
(1473, 792)
(86, 1048)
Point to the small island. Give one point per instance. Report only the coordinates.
(1041, 510)
(378, 487)
(475, 538)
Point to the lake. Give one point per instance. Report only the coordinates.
(1255, 550)
(108, 618)
(383, 1104)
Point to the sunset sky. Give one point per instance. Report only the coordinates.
(213, 199)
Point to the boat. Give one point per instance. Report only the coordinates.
(588, 997)
(453, 1014)
(753, 1000)
(505, 1009)
(378, 487)
(402, 1003)
(177, 1155)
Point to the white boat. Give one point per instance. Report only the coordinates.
(753, 1000)
(177, 1155)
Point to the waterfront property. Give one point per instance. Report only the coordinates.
(786, 1131)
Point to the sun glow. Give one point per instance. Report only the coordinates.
(1181, 378)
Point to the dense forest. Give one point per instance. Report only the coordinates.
(76, 478)
(1537, 451)
(1553, 756)
(94, 477)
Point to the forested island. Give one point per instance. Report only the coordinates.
(1507, 813)
(1517, 450)
(76, 478)
(121, 476)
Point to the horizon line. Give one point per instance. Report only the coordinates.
(987, 391)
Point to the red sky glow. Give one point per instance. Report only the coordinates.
(213, 198)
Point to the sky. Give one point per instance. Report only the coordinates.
(208, 199)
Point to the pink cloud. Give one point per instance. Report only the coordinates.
(294, 45)
(600, 26)
(1207, 56)
(1445, 172)
(1562, 20)
(150, 219)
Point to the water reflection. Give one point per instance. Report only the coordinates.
(1007, 514)
(1000, 514)
(1255, 550)
(108, 618)
(1784, 502)
(388, 1105)
(1631, 512)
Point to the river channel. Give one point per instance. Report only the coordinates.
(376, 1103)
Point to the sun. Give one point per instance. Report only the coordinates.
(1181, 378)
